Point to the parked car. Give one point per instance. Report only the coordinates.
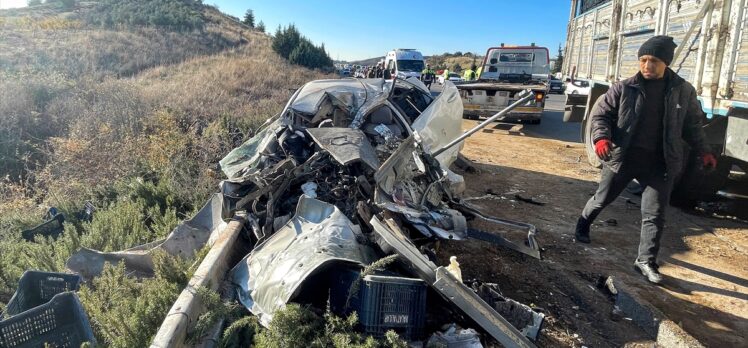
(578, 87)
(557, 86)
(454, 77)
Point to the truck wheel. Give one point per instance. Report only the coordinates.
(589, 147)
(697, 184)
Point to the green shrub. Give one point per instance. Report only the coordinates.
(298, 326)
(125, 312)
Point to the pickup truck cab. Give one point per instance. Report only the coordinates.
(508, 70)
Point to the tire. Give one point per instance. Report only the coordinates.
(589, 147)
(697, 184)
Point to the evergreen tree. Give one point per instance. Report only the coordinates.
(559, 60)
(286, 40)
(260, 27)
(290, 44)
(249, 19)
(34, 2)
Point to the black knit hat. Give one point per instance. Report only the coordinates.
(660, 46)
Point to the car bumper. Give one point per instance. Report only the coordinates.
(519, 113)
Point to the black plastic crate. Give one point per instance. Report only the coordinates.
(392, 303)
(59, 323)
(341, 282)
(36, 288)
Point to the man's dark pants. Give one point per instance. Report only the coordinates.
(657, 188)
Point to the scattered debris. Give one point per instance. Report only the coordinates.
(611, 222)
(452, 337)
(527, 200)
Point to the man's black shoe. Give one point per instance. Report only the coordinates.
(582, 231)
(649, 270)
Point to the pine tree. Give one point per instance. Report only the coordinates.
(249, 19)
(559, 60)
(260, 27)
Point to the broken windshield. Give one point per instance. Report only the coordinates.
(410, 65)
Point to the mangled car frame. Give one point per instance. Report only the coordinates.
(349, 172)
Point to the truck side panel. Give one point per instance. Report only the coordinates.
(639, 22)
(583, 59)
(601, 42)
(680, 16)
(740, 76)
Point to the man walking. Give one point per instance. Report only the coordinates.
(639, 127)
(427, 76)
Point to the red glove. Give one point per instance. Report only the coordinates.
(602, 149)
(709, 160)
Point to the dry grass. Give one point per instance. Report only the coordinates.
(464, 62)
(134, 120)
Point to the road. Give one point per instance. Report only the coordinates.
(552, 125)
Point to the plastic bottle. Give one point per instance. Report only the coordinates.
(454, 268)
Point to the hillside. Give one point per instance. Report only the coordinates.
(451, 61)
(132, 117)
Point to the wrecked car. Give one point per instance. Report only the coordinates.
(349, 172)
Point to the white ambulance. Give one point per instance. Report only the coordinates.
(404, 63)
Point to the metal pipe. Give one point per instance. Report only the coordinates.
(470, 132)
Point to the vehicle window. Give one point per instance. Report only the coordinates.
(454, 75)
(391, 65)
(517, 57)
(410, 65)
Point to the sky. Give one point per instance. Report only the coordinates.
(353, 30)
(12, 3)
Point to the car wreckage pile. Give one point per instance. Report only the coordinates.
(350, 172)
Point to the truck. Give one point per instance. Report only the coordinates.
(404, 63)
(508, 70)
(603, 37)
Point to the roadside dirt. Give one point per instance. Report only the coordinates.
(703, 259)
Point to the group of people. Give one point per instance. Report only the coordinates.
(428, 75)
(373, 72)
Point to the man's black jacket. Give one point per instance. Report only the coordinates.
(615, 116)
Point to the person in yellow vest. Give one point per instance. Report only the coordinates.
(446, 75)
(427, 76)
(469, 74)
(477, 73)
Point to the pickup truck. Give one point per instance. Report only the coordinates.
(508, 70)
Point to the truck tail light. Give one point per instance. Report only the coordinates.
(539, 97)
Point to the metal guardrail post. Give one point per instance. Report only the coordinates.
(186, 309)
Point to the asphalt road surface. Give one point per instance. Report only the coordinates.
(552, 125)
